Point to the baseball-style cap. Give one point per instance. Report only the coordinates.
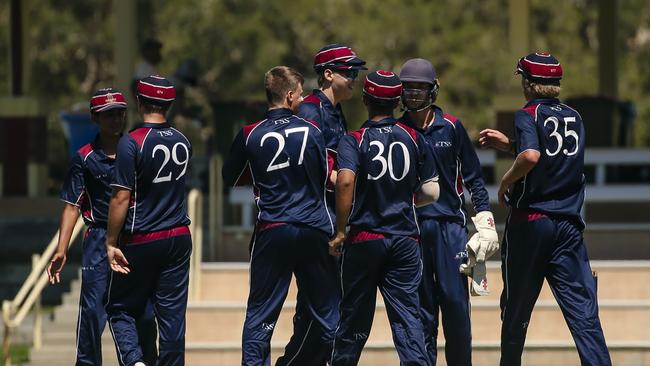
(107, 99)
(418, 70)
(383, 85)
(541, 68)
(337, 57)
(156, 90)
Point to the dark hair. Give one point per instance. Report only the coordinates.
(379, 107)
(148, 108)
(279, 81)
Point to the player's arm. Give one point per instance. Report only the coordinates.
(348, 162)
(72, 194)
(234, 168)
(69, 217)
(123, 183)
(345, 182)
(428, 193)
(496, 139)
(429, 190)
(528, 147)
(471, 170)
(524, 163)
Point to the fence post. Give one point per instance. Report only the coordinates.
(38, 318)
(6, 341)
(215, 209)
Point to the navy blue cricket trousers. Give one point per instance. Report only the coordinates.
(536, 247)
(95, 273)
(159, 264)
(392, 264)
(278, 251)
(445, 290)
(305, 347)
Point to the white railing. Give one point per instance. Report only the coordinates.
(195, 212)
(29, 296)
(600, 191)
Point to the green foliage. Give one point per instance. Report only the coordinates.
(236, 41)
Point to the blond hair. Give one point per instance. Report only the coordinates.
(542, 90)
(279, 81)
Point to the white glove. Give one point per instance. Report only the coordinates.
(476, 270)
(488, 239)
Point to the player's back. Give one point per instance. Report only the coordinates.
(556, 183)
(389, 168)
(288, 164)
(160, 156)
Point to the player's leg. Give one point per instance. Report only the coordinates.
(453, 293)
(318, 282)
(127, 297)
(574, 287)
(270, 275)
(429, 235)
(361, 267)
(524, 255)
(170, 297)
(148, 334)
(92, 315)
(305, 340)
(399, 288)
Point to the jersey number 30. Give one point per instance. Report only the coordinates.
(387, 164)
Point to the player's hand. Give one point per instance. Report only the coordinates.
(494, 139)
(504, 194)
(55, 267)
(117, 260)
(488, 239)
(336, 245)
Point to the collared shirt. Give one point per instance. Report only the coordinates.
(87, 183)
(391, 161)
(286, 159)
(556, 184)
(152, 160)
(458, 167)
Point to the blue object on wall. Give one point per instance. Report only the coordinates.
(79, 129)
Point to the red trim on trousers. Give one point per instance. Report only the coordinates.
(521, 215)
(153, 236)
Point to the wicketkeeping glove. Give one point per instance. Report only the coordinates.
(475, 270)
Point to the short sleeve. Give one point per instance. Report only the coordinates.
(74, 185)
(427, 166)
(234, 170)
(525, 132)
(125, 163)
(309, 111)
(348, 154)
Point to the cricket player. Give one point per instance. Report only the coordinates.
(287, 159)
(443, 225)
(545, 190)
(385, 170)
(87, 189)
(148, 242)
(337, 67)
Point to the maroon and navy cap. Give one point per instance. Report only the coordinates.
(156, 90)
(107, 99)
(541, 68)
(337, 57)
(383, 85)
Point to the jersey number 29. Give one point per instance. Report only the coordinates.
(174, 155)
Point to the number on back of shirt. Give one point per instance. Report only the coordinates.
(176, 154)
(563, 140)
(273, 165)
(386, 162)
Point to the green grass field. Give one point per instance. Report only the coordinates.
(19, 353)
